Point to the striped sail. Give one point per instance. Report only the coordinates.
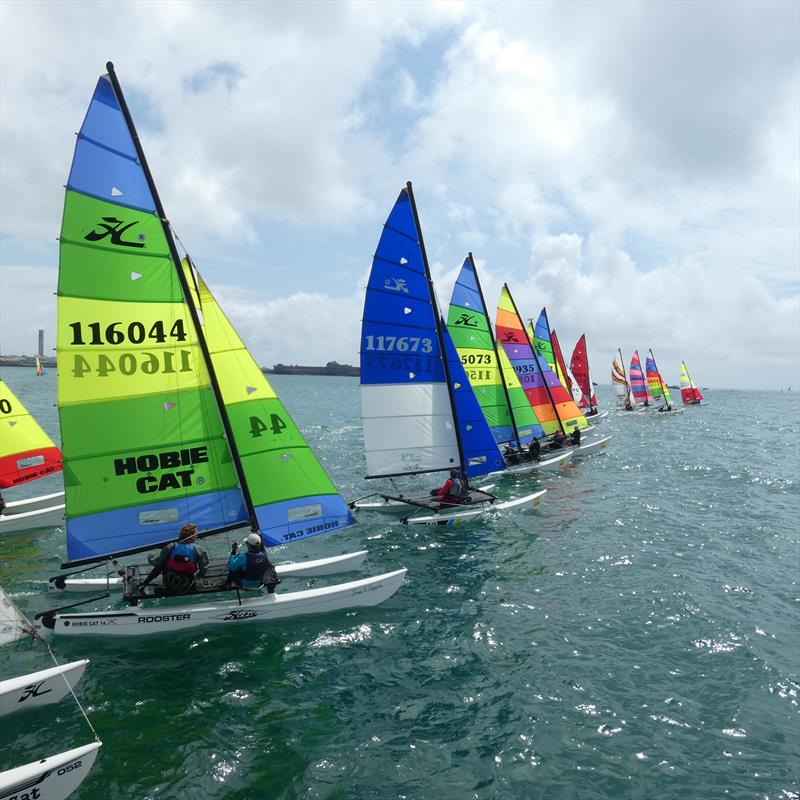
(405, 402)
(638, 386)
(689, 392)
(39, 367)
(471, 333)
(292, 494)
(655, 383)
(144, 445)
(619, 380)
(26, 451)
(566, 408)
(480, 453)
(511, 334)
(528, 426)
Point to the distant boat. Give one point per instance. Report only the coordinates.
(690, 394)
(622, 388)
(658, 390)
(39, 368)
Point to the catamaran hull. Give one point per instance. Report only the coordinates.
(39, 688)
(591, 447)
(595, 418)
(33, 503)
(297, 569)
(549, 464)
(265, 608)
(456, 517)
(43, 518)
(673, 411)
(52, 778)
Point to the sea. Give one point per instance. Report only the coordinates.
(637, 636)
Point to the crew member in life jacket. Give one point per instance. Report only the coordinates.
(453, 490)
(559, 440)
(576, 437)
(251, 570)
(179, 562)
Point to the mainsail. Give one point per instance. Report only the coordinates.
(619, 379)
(639, 388)
(655, 383)
(26, 451)
(409, 414)
(501, 398)
(39, 368)
(579, 364)
(149, 443)
(690, 394)
(564, 372)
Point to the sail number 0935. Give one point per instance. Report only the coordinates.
(117, 333)
(400, 344)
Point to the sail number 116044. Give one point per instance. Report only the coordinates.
(165, 362)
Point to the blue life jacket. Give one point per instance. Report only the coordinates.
(256, 568)
(183, 558)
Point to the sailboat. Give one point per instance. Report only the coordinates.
(657, 388)
(690, 394)
(39, 368)
(165, 417)
(497, 388)
(639, 387)
(552, 404)
(56, 776)
(27, 453)
(579, 364)
(419, 412)
(622, 388)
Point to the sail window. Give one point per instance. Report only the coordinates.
(159, 516)
(304, 512)
(30, 461)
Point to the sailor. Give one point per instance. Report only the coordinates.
(510, 455)
(559, 440)
(452, 490)
(576, 437)
(2, 503)
(534, 449)
(179, 561)
(251, 570)
(628, 406)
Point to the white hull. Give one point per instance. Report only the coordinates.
(33, 503)
(299, 569)
(136, 621)
(595, 418)
(391, 506)
(43, 518)
(53, 778)
(591, 447)
(668, 413)
(39, 688)
(552, 463)
(459, 515)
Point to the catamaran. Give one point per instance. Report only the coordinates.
(56, 776)
(497, 388)
(165, 416)
(690, 394)
(419, 411)
(552, 404)
(657, 388)
(639, 387)
(26, 454)
(622, 388)
(579, 365)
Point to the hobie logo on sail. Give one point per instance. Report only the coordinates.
(113, 228)
(396, 285)
(467, 320)
(168, 460)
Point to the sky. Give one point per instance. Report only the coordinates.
(632, 166)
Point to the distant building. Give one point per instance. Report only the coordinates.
(331, 368)
(40, 351)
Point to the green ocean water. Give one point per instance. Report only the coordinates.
(637, 637)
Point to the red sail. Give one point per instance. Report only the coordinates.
(579, 364)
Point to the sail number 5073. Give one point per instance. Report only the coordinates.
(401, 344)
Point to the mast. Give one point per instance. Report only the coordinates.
(538, 364)
(660, 379)
(496, 354)
(438, 319)
(226, 423)
(629, 394)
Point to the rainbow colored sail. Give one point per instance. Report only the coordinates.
(579, 363)
(511, 334)
(655, 383)
(292, 495)
(501, 398)
(39, 369)
(26, 451)
(148, 444)
(560, 396)
(639, 388)
(690, 394)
